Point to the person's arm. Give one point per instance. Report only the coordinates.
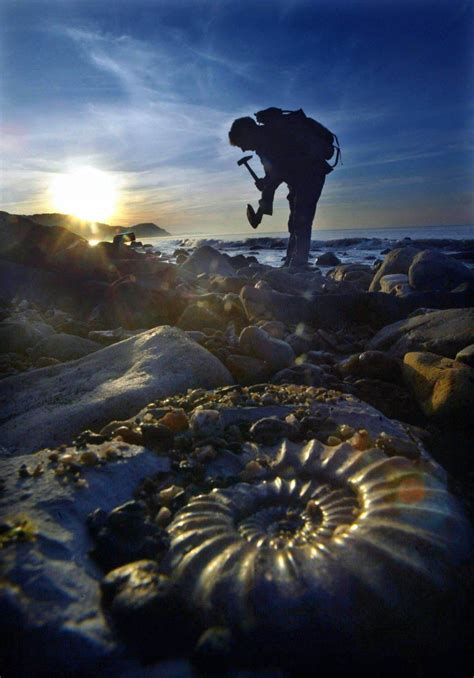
(268, 185)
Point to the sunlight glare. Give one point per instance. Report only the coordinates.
(86, 193)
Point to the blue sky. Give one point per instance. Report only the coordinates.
(147, 90)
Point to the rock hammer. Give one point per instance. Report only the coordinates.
(244, 161)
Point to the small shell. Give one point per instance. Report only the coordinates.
(335, 543)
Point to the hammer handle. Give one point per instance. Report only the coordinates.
(251, 171)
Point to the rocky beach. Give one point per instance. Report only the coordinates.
(215, 465)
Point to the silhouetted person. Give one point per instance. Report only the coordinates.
(285, 158)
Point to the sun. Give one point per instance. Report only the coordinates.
(86, 193)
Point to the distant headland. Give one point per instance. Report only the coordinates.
(96, 230)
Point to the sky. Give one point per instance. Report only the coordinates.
(146, 91)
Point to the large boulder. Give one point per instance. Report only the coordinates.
(396, 261)
(304, 285)
(50, 406)
(371, 365)
(64, 347)
(18, 334)
(276, 353)
(444, 388)
(208, 260)
(266, 304)
(443, 332)
(327, 259)
(198, 317)
(129, 303)
(52, 621)
(433, 270)
(359, 275)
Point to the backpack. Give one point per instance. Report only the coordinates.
(310, 135)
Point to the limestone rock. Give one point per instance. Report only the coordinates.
(358, 275)
(393, 283)
(64, 347)
(113, 383)
(433, 270)
(444, 332)
(132, 304)
(371, 365)
(466, 355)
(50, 592)
(444, 388)
(17, 335)
(305, 285)
(270, 305)
(305, 374)
(198, 317)
(247, 370)
(275, 328)
(327, 259)
(208, 260)
(257, 343)
(396, 261)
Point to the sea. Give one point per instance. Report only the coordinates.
(355, 245)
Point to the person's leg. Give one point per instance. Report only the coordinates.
(306, 196)
(291, 230)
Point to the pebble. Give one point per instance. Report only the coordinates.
(141, 602)
(176, 420)
(163, 516)
(129, 435)
(156, 435)
(170, 494)
(206, 423)
(205, 453)
(269, 431)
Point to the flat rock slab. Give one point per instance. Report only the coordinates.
(51, 620)
(443, 387)
(48, 407)
(442, 332)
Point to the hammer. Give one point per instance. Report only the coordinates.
(244, 161)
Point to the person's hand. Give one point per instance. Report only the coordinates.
(260, 184)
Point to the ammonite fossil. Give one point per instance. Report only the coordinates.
(337, 544)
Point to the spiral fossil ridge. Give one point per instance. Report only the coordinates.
(333, 537)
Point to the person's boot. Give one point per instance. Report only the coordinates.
(254, 217)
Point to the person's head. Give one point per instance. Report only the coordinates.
(244, 133)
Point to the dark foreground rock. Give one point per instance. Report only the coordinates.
(442, 332)
(52, 622)
(432, 270)
(105, 385)
(397, 260)
(228, 440)
(206, 259)
(333, 310)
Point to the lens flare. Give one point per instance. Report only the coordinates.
(86, 193)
